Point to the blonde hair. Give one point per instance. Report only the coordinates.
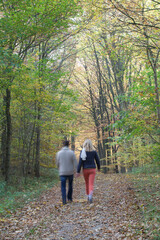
(88, 145)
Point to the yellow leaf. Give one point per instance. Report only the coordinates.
(3, 220)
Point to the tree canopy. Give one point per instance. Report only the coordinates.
(77, 69)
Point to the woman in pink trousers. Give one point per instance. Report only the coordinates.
(88, 160)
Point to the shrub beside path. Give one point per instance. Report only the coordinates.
(115, 214)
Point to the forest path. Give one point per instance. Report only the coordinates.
(113, 214)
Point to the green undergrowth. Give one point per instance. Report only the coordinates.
(147, 169)
(147, 189)
(20, 191)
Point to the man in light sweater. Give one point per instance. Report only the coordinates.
(67, 163)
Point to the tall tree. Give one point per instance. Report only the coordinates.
(24, 25)
(143, 18)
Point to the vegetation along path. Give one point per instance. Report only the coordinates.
(114, 214)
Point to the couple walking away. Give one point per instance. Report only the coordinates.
(67, 164)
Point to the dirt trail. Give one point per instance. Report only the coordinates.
(113, 215)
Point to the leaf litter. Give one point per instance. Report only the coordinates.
(114, 214)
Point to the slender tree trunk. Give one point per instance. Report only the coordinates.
(73, 143)
(23, 159)
(38, 132)
(8, 134)
(157, 95)
(153, 63)
(93, 113)
(38, 128)
(3, 138)
(108, 155)
(101, 107)
(29, 151)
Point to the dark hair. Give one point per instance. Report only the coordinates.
(66, 143)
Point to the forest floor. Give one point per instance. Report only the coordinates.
(114, 214)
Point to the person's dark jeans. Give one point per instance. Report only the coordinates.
(63, 187)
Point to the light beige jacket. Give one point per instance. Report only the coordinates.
(66, 161)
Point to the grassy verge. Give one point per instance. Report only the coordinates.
(147, 188)
(13, 195)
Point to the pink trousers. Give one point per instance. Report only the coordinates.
(89, 176)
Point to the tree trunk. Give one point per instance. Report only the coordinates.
(3, 138)
(157, 95)
(8, 135)
(37, 157)
(29, 151)
(73, 143)
(153, 60)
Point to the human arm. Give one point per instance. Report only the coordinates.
(79, 165)
(97, 161)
